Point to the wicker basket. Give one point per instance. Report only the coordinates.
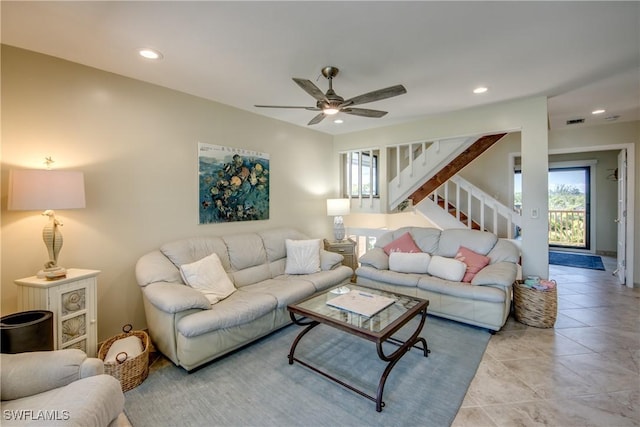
(534, 307)
(131, 372)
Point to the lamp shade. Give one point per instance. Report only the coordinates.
(34, 189)
(338, 207)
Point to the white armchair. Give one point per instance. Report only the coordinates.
(58, 388)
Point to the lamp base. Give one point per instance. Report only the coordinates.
(52, 273)
(338, 232)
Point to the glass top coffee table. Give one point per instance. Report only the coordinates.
(378, 328)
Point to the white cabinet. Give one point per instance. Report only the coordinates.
(73, 301)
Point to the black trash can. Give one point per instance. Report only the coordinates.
(27, 331)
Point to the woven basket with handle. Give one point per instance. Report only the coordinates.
(130, 371)
(534, 307)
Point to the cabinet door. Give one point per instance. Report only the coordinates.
(75, 325)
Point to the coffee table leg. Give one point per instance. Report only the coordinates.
(292, 350)
(394, 357)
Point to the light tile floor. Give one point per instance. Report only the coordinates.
(583, 372)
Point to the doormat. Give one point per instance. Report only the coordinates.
(568, 259)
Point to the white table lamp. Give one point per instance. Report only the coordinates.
(336, 208)
(31, 189)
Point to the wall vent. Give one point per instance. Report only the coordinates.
(575, 121)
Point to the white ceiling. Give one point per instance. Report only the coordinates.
(581, 55)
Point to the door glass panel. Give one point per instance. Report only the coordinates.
(569, 207)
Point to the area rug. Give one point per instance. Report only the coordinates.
(256, 386)
(569, 259)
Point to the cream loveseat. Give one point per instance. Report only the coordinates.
(485, 301)
(59, 388)
(187, 328)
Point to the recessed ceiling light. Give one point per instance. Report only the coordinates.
(338, 121)
(480, 89)
(150, 53)
(598, 111)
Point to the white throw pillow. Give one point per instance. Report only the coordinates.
(409, 262)
(447, 268)
(208, 276)
(303, 256)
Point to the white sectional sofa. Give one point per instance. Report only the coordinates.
(485, 301)
(189, 330)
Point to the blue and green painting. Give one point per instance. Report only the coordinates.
(233, 184)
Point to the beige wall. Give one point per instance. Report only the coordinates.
(137, 146)
(582, 140)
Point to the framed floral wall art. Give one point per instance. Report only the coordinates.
(233, 184)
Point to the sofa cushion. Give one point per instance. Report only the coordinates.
(447, 268)
(245, 250)
(404, 243)
(303, 256)
(208, 276)
(409, 262)
(191, 250)
(241, 307)
(388, 276)
(274, 241)
(427, 239)
(474, 261)
(325, 279)
(462, 290)
(478, 241)
(286, 290)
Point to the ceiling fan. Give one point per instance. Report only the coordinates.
(331, 103)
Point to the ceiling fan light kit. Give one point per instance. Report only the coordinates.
(330, 103)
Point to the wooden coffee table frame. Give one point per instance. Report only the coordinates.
(311, 319)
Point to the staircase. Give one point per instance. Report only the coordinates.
(426, 177)
(454, 211)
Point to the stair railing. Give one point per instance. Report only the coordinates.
(411, 164)
(465, 199)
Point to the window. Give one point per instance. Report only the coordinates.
(360, 173)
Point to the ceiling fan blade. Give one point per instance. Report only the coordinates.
(288, 106)
(364, 112)
(311, 89)
(376, 95)
(316, 119)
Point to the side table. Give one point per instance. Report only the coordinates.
(346, 248)
(73, 301)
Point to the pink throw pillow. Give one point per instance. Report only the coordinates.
(474, 261)
(403, 243)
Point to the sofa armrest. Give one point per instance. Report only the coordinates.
(501, 273)
(330, 260)
(174, 298)
(26, 374)
(376, 258)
